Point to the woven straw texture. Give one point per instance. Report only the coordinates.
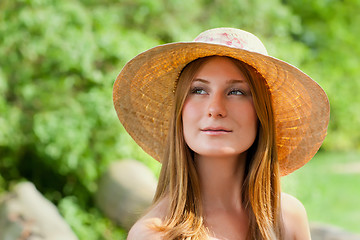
(143, 98)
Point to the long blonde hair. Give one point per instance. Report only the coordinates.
(179, 181)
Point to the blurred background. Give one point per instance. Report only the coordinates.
(59, 60)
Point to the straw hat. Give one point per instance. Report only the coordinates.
(143, 94)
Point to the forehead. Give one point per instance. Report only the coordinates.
(220, 68)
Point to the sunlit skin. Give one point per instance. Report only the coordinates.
(219, 118)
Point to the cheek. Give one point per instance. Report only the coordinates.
(255, 122)
(253, 116)
(248, 116)
(190, 112)
(190, 118)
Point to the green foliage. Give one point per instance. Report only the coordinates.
(59, 59)
(89, 225)
(56, 83)
(331, 32)
(2, 185)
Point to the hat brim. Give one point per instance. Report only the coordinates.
(143, 98)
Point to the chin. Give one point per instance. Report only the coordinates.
(220, 152)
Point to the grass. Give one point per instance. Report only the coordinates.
(329, 188)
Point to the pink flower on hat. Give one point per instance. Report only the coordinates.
(230, 37)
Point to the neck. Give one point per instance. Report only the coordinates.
(221, 180)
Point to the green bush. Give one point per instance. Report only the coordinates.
(89, 225)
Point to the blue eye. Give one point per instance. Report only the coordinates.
(197, 90)
(236, 92)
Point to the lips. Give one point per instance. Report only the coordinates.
(215, 130)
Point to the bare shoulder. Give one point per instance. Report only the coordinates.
(295, 218)
(142, 229)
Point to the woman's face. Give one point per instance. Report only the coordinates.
(219, 117)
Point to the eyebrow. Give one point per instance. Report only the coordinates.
(230, 81)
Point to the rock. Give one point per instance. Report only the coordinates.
(320, 231)
(26, 214)
(125, 191)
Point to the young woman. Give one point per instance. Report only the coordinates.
(226, 121)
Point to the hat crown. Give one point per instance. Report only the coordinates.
(232, 37)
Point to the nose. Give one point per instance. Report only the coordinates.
(217, 108)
